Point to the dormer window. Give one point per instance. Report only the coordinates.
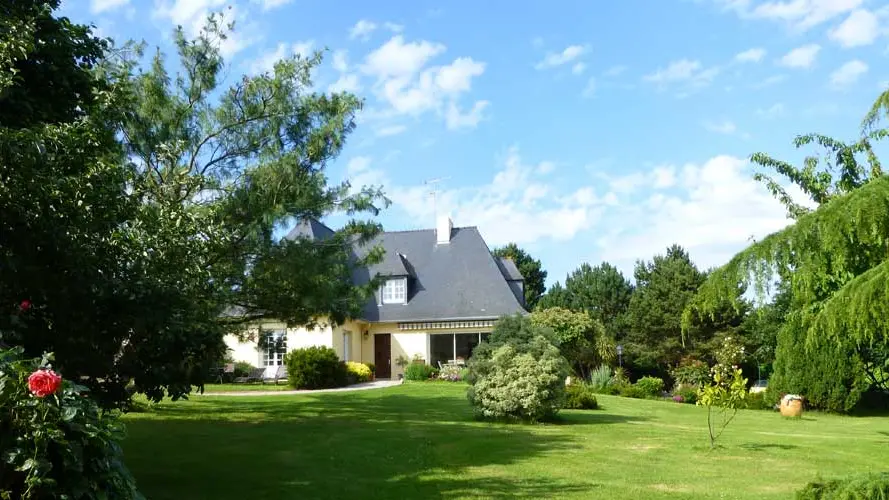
(395, 291)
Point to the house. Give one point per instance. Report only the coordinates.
(442, 292)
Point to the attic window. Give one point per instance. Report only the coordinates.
(395, 291)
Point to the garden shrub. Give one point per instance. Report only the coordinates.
(830, 374)
(857, 487)
(519, 386)
(691, 372)
(687, 394)
(358, 372)
(315, 367)
(372, 367)
(600, 378)
(419, 372)
(55, 441)
(518, 373)
(242, 369)
(580, 397)
(758, 401)
(451, 373)
(651, 386)
(620, 376)
(631, 391)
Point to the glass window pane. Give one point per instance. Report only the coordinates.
(441, 347)
(466, 342)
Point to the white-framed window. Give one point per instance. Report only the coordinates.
(273, 347)
(395, 291)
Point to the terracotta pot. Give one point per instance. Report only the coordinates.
(793, 408)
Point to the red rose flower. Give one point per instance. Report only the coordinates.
(25, 305)
(43, 382)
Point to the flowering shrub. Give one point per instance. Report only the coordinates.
(55, 441)
(419, 372)
(691, 372)
(359, 372)
(451, 373)
(678, 398)
(519, 385)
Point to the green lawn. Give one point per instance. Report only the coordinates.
(270, 386)
(419, 441)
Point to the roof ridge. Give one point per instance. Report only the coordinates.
(426, 229)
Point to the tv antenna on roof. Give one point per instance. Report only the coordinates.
(434, 193)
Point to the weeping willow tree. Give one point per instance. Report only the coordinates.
(834, 261)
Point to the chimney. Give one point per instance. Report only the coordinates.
(443, 230)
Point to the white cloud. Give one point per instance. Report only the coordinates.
(347, 82)
(578, 68)
(340, 61)
(455, 119)
(848, 73)
(514, 206)
(545, 167)
(689, 73)
(395, 58)
(801, 57)
(359, 173)
(773, 111)
(99, 6)
(362, 29)
(390, 130)
(861, 28)
(266, 62)
(725, 127)
(751, 55)
(590, 89)
(664, 176)
(713, 211)
(615, 71)
(272, 4)
(192, 16)
(408, 85)
(554, 59)
(394, 28)
(802, 14)
(457, 77)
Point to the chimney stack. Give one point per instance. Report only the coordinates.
(443, 229)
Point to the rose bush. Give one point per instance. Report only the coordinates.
(54, 441)
(44, 382)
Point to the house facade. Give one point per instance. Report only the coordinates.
(442, 292)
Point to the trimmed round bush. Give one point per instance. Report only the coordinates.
(580, 397)
(358, 372)
(632, 391)
(650, 386)
(419, 372)
(56, 443)
(315, 368)
(861, 486)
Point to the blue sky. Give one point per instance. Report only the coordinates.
(583, 131)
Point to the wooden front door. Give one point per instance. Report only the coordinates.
(383, 355)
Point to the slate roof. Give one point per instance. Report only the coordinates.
(310, 228)
(509, 269)
(460, 280)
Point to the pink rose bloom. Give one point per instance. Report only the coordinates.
(42, 383)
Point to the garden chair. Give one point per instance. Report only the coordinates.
(280, 374)
(255, 375)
